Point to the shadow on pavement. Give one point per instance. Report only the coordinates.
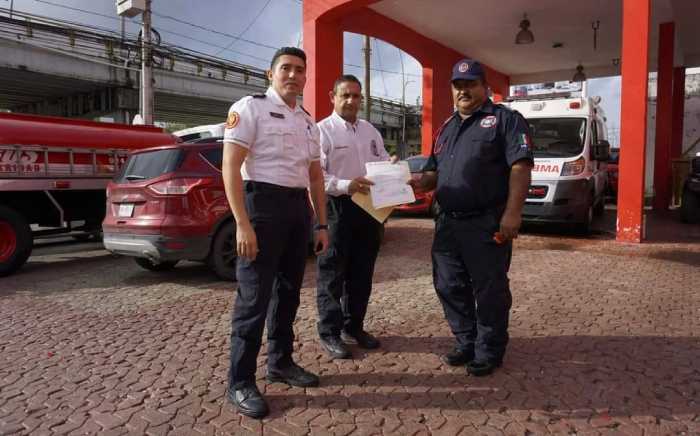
(563, 376)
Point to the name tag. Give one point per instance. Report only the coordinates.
(276, 115)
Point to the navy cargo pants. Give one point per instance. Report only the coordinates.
(470, 274)
(345, 271)
(268, 287)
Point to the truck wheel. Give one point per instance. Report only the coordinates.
(15, 241)
(155, 266)
(223, 255)
(690, 207)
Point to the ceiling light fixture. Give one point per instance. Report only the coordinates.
(524, 36)
(579, 75)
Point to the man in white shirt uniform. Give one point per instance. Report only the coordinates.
(345, 270)
(271, 159)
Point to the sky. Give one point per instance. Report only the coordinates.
(248, 31)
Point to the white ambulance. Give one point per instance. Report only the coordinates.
(570, 146)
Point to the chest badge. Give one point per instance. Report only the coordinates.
(488, 122)
(276, 115)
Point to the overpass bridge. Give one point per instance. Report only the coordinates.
(53, 67)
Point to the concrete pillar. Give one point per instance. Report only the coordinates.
(664, 118)
(633, 119)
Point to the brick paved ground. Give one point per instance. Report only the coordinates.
(605, 340)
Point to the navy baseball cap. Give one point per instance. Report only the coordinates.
(467, 69)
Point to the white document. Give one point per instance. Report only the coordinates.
(390, 183)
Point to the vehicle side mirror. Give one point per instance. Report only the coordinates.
(601, 151)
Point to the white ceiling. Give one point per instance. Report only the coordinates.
(486, 31)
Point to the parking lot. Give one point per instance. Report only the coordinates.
(605, 340)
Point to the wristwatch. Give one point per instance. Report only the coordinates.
(321, 227)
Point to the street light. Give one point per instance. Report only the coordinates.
(402, 146)
(131, 8)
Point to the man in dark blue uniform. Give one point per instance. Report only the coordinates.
(480, 166)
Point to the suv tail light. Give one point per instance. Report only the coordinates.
(177, 186)
(574, 168)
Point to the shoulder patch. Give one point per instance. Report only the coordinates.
(259, 96)
(232, 120)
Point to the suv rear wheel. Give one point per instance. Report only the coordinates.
(223, 255)
(155, 266)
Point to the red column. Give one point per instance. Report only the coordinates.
(437, 100)
(633, 119)
(664, 118)
(678, 112)
(323, 44)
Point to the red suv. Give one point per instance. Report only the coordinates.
(168, 204)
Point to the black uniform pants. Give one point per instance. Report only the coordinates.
(268, 287)
(470, 274)
(345, 270)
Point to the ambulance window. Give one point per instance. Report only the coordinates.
(557, 137)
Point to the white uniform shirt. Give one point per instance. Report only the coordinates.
(345, 148)
(281, 141)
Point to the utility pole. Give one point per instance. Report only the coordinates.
(368, 102)
(146, 67)
(402, 146)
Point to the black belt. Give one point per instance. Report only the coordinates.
(253, 186)
(461, 215)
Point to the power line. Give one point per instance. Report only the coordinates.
(385, 71)
(228, 35)
(208, 30)
(246, 29)
(163, 30)
(111, 17)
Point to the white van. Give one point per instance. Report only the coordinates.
(571, 151)
(194, 134)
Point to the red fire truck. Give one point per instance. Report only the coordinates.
(53, 175)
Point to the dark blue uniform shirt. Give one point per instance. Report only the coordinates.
(473, 158)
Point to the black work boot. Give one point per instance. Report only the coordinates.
(481, 368)
(458, 357)
(361, 338)
(335, 347)
(293, 375)
(249, 401)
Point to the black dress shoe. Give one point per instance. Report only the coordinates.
(293, 375)
(249, 401)
(480, 368)
(362, 339)
(335, 347)
(458, 357)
